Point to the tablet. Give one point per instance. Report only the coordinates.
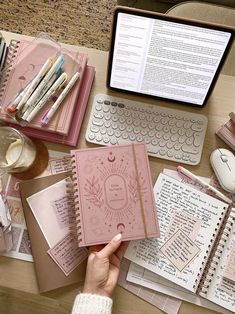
(170, 58)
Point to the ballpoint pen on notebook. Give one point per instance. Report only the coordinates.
(37, 92)
(46, 118)
(55, 87)
(209, 187)
(45, 68)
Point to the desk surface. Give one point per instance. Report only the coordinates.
(17, 278)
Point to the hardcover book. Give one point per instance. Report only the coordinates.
(113, 193)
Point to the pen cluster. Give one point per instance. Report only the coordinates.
(36, 94)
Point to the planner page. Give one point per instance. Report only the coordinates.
(189, 221)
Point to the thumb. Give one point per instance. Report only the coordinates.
(111, 247)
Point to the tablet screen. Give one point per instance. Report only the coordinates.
(165, 57)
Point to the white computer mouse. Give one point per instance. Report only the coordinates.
(223, 163)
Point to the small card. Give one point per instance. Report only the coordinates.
(67, 255)
(52, 210)
(180, 250)
(187, 223)
(229, 271)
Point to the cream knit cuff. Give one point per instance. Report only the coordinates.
(86, 303)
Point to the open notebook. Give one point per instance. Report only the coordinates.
(196, 245)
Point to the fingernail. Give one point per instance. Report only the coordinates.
(118, 237)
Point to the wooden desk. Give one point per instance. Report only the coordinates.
(18, 286)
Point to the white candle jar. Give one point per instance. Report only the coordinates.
(17, 151)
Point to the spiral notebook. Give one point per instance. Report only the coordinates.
(196, 245)
(23, 62)
(113, 193)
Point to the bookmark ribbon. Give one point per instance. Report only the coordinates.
(139, 192)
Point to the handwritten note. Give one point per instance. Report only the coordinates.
(52, 211)
(67, 255)
(180, 250)
(229, 271)
(177, 202)
(185, 222)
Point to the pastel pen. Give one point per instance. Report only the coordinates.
(46, 118)
(45, 68)
(204, 184)
(56, 86)
(11, 108)
(29, 109)
(37, 92)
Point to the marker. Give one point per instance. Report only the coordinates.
(56, 86)
(45, 68)
(204, 184)
(46, 118)
(54, 69)
(11, 108)
(24, 113)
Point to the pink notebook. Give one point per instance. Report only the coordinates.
(113, 193)
(227, 133)
(24, 61)
(76, 123)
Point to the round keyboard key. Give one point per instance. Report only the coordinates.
(122, 119)
(125, 135)
(98, 107)
(114, 103)
(132, 137)
(173, 130)
(110, 132)
(117, 133)
(178, 156)
(139, 138)
(98, 115)
(113, 110)
(129, 128)
(196, 127)
(107, 124)
(98, 137)
(177, 146)
(107, 102)
(105, 109)
(182, 139)
(144, 132)
(91, 136)
(170, 153)
(114, 125)
(103, 130)
(144, 124)
(113, 141)
(169, 145)
(162, 151)
(115, 118)
(174, 137)
(166, 136)
(189, 141)
(151, 133)
(181, 131)
(189, 133)
(154, 141)
(107, 116)
(129, 121)
(147, 140)
(136, 130)
(122, 127)
(172, 122)
(162, 143)
(94, 129)
(106, 139)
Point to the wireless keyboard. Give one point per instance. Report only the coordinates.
(168, 133)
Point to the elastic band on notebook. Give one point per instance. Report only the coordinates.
(139, 192)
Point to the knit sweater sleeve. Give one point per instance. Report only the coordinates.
(91, 303)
